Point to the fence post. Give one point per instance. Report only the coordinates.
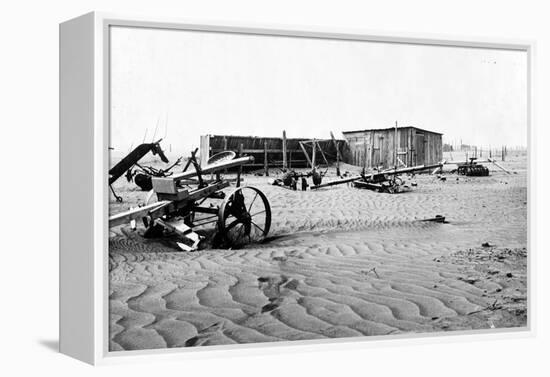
(284, 150)
(337, 153)
(266, 165)
(239, 172)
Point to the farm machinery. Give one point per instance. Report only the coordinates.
(390, 181)
(194, 209)
(124, 166)
(387, 181)
(142, 175)
(291, 177)
(472, 168)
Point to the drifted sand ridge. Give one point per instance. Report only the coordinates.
(342, 262)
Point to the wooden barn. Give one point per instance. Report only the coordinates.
(376, 147)
(273, 152)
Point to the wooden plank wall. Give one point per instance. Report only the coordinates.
(433, 148)
(376, 147)
(255, 146)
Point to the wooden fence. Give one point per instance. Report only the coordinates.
(270, 152)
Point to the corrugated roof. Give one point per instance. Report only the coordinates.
(390, 129)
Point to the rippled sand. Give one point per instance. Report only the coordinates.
(343, 262)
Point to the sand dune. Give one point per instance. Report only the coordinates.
(343, 262)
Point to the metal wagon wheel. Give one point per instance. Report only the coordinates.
(244, 217)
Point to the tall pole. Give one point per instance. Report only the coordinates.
(337, 153)
(240, 171)
(395, 147)
(364, 153)
(266, 165)
(284, 150)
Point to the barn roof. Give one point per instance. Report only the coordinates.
(390, 129)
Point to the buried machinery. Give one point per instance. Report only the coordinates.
(125, 165)
(387, 181)
(187, 205)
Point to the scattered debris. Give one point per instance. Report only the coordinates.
(469, 280)
(436, 219)
(506, 292)
(366, 272)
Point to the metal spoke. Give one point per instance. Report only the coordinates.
(236, 211)
(257, 226)
(257, 213)
(253, 200)
(205, 222)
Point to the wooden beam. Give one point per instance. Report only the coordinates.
(174, 205)
(213, 168)
(134, 213)
(266, 164)
(395, 146)
(240, 171)
(501, 168)
(337, 153)
(246, 151)
(371, 149)
(365, 153)
(225, 148)
(284, 150)
(314, 140)
(305, 153)
(290, 160)
(204, 149)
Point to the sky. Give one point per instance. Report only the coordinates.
(186, 83)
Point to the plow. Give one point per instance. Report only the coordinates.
(194, 210)
(387, 181)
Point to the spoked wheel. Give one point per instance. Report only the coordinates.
(244, 217)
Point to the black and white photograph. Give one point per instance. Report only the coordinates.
(268, 188)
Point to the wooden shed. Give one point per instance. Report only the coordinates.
(376, 147)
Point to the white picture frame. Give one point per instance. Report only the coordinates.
(84, 122)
